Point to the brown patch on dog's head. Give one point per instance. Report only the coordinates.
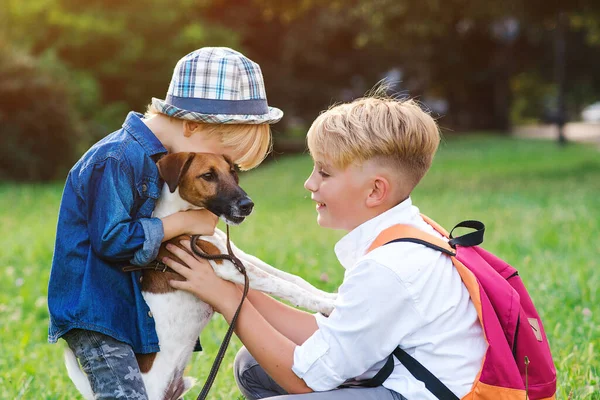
(208, 181)
(173, 166)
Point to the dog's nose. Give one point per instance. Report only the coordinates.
(246, 205)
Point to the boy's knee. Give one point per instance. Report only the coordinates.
(252, 380)
(242, 363)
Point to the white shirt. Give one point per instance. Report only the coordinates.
(400, 294)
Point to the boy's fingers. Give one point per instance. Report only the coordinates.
(175, 266)
(182, 254)
(188, 245)
(181, 285)
(190, 260)
(175, 284)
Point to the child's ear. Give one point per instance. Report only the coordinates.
(190, 127)
(379, 191)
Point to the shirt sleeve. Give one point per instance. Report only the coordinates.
(373, 312)
(114, 234)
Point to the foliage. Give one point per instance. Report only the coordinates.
(308, 53)
(539, 202)
(467, 53)
(532, 96)
(127, 48)
(39, 132)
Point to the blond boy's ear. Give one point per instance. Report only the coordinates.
(190, 127)
(379, 191)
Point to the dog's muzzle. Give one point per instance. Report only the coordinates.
(245, 206)
(233, 212)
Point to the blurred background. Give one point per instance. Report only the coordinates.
(70, 70)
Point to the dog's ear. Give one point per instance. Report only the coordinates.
(229, 161)
(232, 167)
(173, 166)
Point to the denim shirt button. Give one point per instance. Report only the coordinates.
(144, 187)
(150, 314)
(141, 279)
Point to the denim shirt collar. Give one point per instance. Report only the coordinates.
(146, 138)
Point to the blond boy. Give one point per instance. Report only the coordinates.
(368, 155)
(216, 102)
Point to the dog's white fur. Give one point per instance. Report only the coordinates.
(179, 316)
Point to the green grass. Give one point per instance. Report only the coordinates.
(540, 203)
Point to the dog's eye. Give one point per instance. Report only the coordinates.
(209, 176)
(234, 174)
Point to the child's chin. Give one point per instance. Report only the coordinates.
(323, 223)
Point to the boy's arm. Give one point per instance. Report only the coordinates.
(109, 203)
(201, 222)
(271, 348)
(368, 297)
(295, 324)
(114, 233)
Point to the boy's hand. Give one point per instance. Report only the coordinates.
(192, 222)
(201, 279)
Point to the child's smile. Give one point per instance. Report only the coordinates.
(339, 195)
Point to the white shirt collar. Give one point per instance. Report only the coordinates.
(354, 244)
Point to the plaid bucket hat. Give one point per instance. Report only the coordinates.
(218, 85)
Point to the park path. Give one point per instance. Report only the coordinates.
(583, 132)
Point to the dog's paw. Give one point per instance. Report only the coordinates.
(331, 296)
(188, 383)
(325, 307)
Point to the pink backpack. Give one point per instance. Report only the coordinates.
(518, 363)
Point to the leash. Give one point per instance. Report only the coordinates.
(225, 343)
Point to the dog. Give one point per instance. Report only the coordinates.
(196, 181)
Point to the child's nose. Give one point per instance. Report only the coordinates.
(310, 183)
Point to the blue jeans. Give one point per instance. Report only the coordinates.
(254, 383)
(110, 365)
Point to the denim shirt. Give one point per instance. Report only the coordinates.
(104, 223)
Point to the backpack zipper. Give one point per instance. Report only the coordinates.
(513, 275)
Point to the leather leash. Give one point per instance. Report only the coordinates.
(225, 343)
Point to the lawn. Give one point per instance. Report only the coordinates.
(540, 204)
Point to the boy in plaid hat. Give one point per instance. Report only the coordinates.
(216, 102)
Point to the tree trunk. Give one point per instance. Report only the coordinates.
(560, 67)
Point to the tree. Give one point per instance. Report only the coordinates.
(39, 131)
(467, 52)
(124, 51)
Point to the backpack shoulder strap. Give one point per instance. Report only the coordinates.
(407, 233)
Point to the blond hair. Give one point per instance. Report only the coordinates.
(397, 132)
(252, 141)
